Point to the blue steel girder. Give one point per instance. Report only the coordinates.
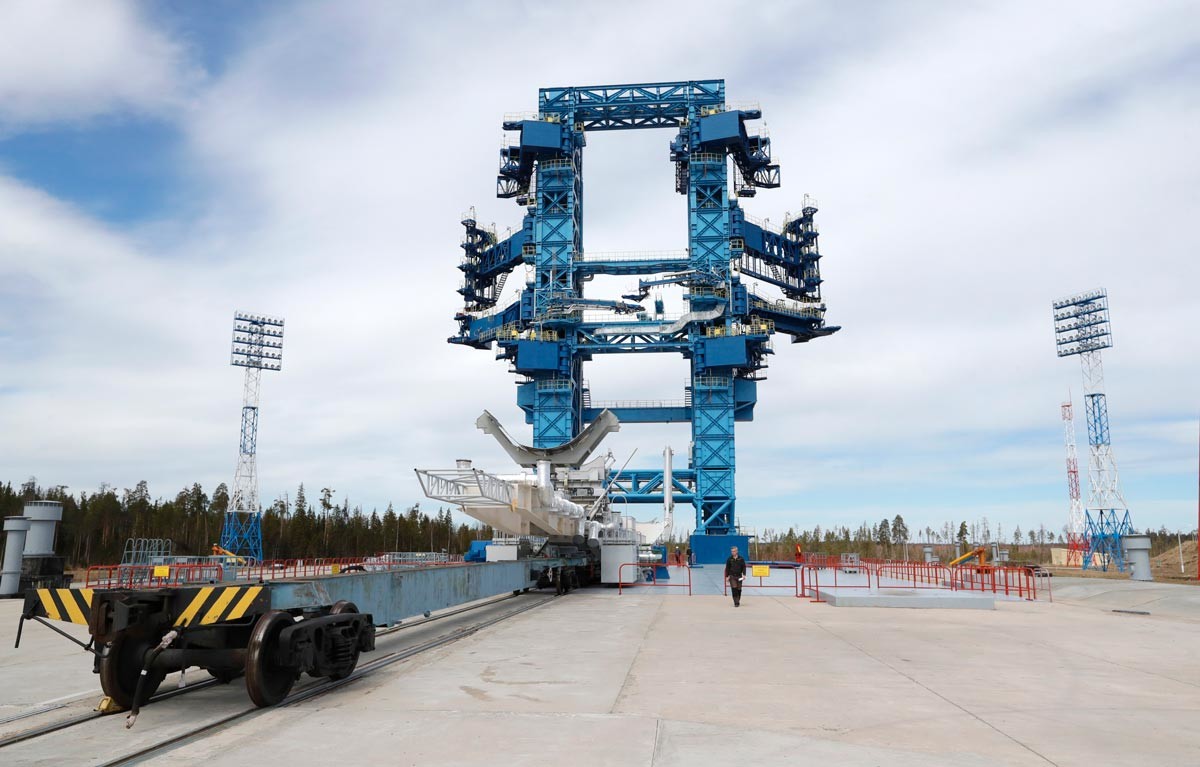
(557, 232)
(646, 485)
(627, 267)
(249, 439)
(642, 414)
(1096, 411)
(624, 107)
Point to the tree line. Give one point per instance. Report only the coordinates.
(893, 539)
(96, 525)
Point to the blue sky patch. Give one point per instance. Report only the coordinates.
(120, 171)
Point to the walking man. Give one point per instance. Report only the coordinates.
(735, 573)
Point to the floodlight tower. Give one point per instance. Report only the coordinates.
(1081, 327)
(257, 346)
(1075, 521)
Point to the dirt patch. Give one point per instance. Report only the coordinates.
(1165, 566)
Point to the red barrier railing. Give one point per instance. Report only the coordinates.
(217, 568)
(827, 571)
(795, 586)
(621, 584)
(150, 576)
(278, 569)
(917, 575)
(812, 578)
(1010, 581)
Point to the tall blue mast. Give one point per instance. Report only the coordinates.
(551, 329)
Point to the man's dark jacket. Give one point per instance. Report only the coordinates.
(735, 568)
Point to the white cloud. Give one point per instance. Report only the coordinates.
(337, 152)
(63, 60)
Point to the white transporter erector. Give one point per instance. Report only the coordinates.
(559, 499)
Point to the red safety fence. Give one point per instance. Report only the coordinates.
(236, 568)
(795, 586)
(827, 577)
(1010, 581)
(150, 576)
(916, 575)
(621, 584)
(277, 569)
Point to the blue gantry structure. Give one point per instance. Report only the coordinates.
(551, 329)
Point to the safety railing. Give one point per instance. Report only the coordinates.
(796, 586)
(613, 404)
(784, 306)
(816, 578)
(1010, 581)
(557, 164)
(150, 576)
(283, 569)
(653, 571)
(916, 575)
(762, 223)
(633, 255)
(827, 571)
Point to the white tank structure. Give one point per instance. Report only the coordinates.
(43, 517)
(1137, 554)
(559, 496)
(16, 529)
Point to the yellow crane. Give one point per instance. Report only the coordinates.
(220, 552)
(979, 554)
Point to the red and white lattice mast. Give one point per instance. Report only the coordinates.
(1075, 521)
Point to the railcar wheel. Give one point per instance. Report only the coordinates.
(267, 682)
(122, 665)
(341, 608)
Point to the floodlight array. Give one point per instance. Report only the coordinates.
(257, 341)
(1081, 323)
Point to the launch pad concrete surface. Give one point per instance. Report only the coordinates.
(643, 678)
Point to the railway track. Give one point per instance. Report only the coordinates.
(298, 697)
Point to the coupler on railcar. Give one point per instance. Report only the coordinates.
(140, 636)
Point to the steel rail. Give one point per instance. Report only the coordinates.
(52, 727)
(321, 688)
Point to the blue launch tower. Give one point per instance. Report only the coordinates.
(743, 281)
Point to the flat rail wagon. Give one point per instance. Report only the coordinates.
(268, 627)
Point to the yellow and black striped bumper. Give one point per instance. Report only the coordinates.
(70, 605)
(217, 604)
(200, 606)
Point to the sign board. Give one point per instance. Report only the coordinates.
(162, 571)
(760, 571)
(335, 569)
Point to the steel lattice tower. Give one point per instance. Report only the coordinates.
(551, 329)
(257, 346)
(1081, 327)
(1075, 519)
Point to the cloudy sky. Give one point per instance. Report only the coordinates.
(163, 165)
